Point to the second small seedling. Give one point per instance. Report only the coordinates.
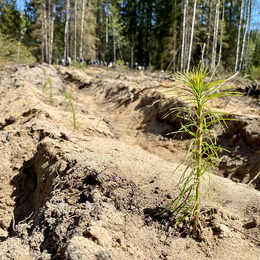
(68, 96)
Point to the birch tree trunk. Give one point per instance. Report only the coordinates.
(183, 33)
(174, 38)
(98, 27)
(45, 35)
(51, 40)
(82, 30)
(242, 57)
(66, 30)
(51, 27)
(209, 33)
(192, 32)
(114, 41)
(75, 30)
(248, 35)
(239, 32)
(215, 37)
(202, 56)
(42, 20)
(221, 36)
(107, 39)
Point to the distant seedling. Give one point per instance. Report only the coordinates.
(48, 86)
(68, 96)
(202, 153)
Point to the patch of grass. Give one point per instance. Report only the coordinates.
(202, 153)
(79, 66)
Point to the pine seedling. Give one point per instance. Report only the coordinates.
(48, 83)
(202, 153)
(68, 96)
(99, 122)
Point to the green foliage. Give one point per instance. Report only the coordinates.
(254, 72)
(202, 154)
(9, 49)
(68, 96)
(10, 21)
(78, 65)
(121, 64)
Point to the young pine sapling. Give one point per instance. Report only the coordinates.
(202, 153)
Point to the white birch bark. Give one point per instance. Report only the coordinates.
(51, 27)
(51, 40)
(183, 33)
(42, 21)
(248, 35)
(192, 33)
(107, 39)
(215, 37)
(242, 57)
(66, 30)
(202, 56)
(82, 29)
(239, 32)
(114, 41)
(75, 30)
(45, 34)
(221, 36)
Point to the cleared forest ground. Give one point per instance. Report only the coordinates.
(83, 194)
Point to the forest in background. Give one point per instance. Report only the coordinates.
(173, 35)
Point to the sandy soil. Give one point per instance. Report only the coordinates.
(86, 193)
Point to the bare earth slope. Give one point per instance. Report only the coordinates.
(86, 193)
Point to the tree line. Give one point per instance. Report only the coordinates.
(172, 35)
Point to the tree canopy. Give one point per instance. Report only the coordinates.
(165, 34)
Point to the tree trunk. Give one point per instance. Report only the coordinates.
(174, 38)
(114, 42)
(82, 29)
(51, 39)
(75, 30)
(98, 29)
(42, 20)
(239, 32)
(248, 35)
(253, 50)
(107, 38)
(183, 33)
(215, 37)
(221, 36)
(45, 35)
(66, 30)
(242, 57)
(132, 54)
(209, 32)
(202, 57)
(51, 27)
(192, 32)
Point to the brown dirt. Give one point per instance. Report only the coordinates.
(82, 194)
